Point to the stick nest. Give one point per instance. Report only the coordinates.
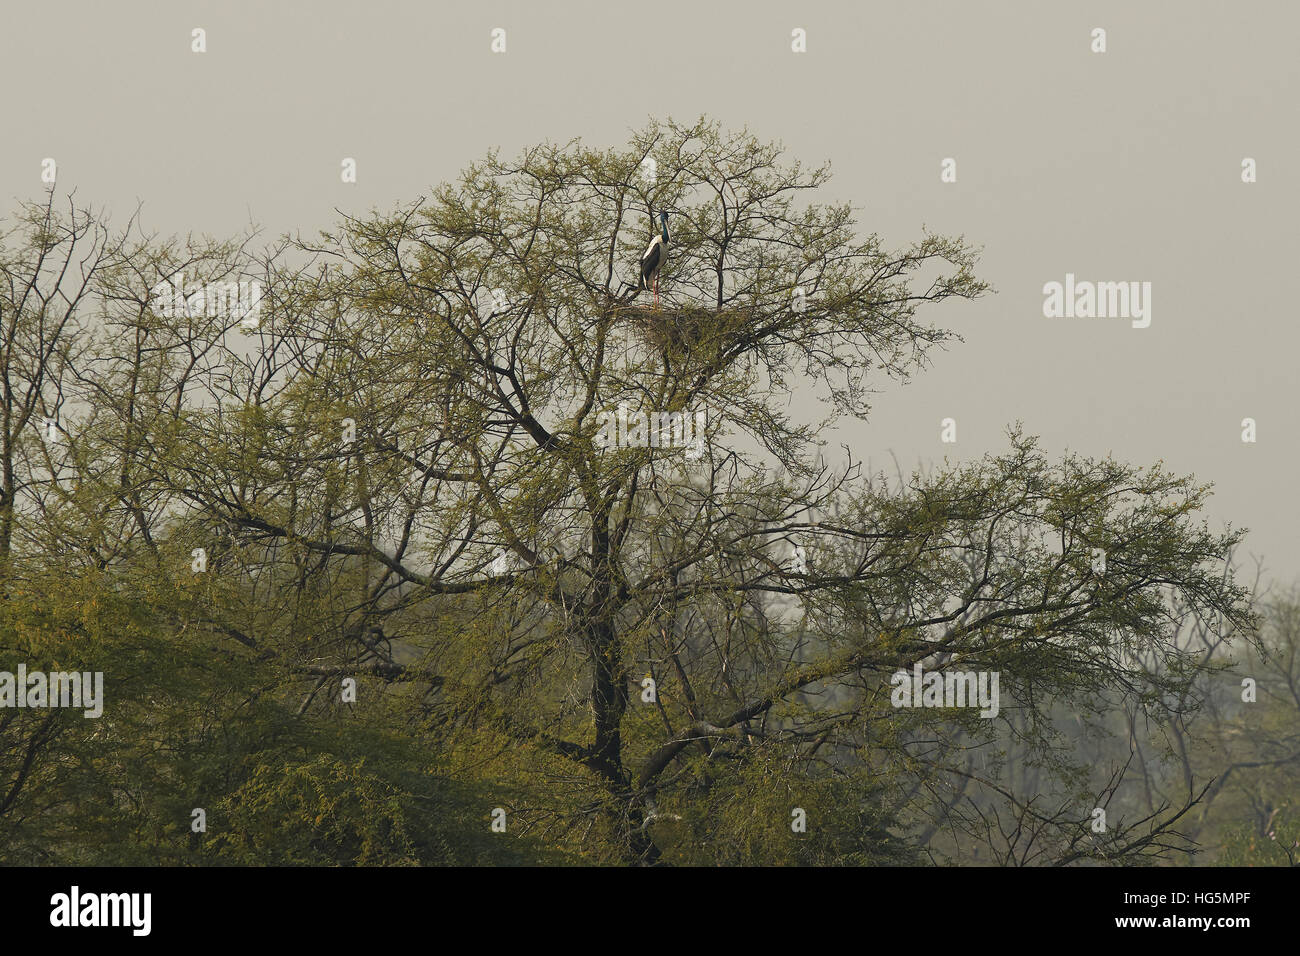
(685, 330)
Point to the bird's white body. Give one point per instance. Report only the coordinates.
(652, 263)
(657, 243)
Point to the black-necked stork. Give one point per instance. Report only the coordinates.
(656, 254)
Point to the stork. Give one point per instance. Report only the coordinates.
(655, 255)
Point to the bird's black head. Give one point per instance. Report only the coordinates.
(663, 222)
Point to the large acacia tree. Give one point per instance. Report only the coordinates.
(645, 654)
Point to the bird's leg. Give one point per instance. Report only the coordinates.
(656, 285)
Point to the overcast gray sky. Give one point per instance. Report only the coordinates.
(1124, 165)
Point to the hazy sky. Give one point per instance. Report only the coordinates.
(1120, 166)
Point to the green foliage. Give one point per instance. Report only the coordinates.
(503, 590)
(325, 811)
(1244, 846)
(746, 816)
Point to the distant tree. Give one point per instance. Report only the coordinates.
(96, 576)
(1251, 748)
